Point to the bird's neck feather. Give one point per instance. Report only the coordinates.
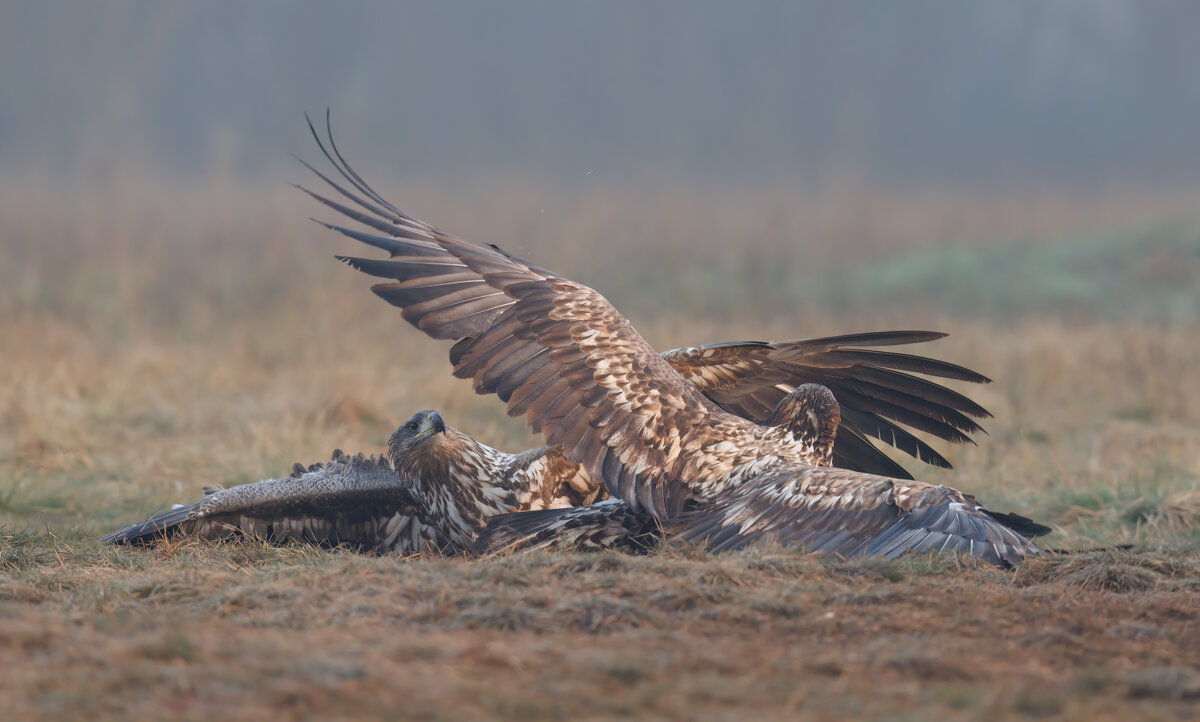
(460, 481)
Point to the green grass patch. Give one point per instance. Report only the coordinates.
(1147, 273)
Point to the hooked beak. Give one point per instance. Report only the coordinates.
(432, 424)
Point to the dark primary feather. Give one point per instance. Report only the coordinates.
(1022, 525)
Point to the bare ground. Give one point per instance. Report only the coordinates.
(246, 631)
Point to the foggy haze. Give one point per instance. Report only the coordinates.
(1078, 92)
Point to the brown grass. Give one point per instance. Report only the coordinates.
(156, 340)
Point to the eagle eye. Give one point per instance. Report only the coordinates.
(412, 426)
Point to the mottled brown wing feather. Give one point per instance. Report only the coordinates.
(587, 380)
(833, 511)
(749, 379)
(554, 350)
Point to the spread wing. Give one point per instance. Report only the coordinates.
(556, 351)
(354, 500)
(877, 391)
(834, 511)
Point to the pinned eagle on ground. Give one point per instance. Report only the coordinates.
(559, 353)
(433, 491)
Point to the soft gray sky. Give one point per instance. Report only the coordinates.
(1067, 91)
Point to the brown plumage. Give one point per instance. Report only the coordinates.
(810, 413)
(434, 491)
(820, 509)
(559, 353)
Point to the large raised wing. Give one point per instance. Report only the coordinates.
(556, 351)
(877, 390)
(446, 296)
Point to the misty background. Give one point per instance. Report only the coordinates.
(870, 163)
(1079, 92)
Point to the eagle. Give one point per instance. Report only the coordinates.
(557, 352)
(879, 394)
(432, 492)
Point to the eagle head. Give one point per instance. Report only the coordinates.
(456, 479)
(811, 414)
(420, 433)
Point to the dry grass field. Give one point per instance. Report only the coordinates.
(160, 336)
